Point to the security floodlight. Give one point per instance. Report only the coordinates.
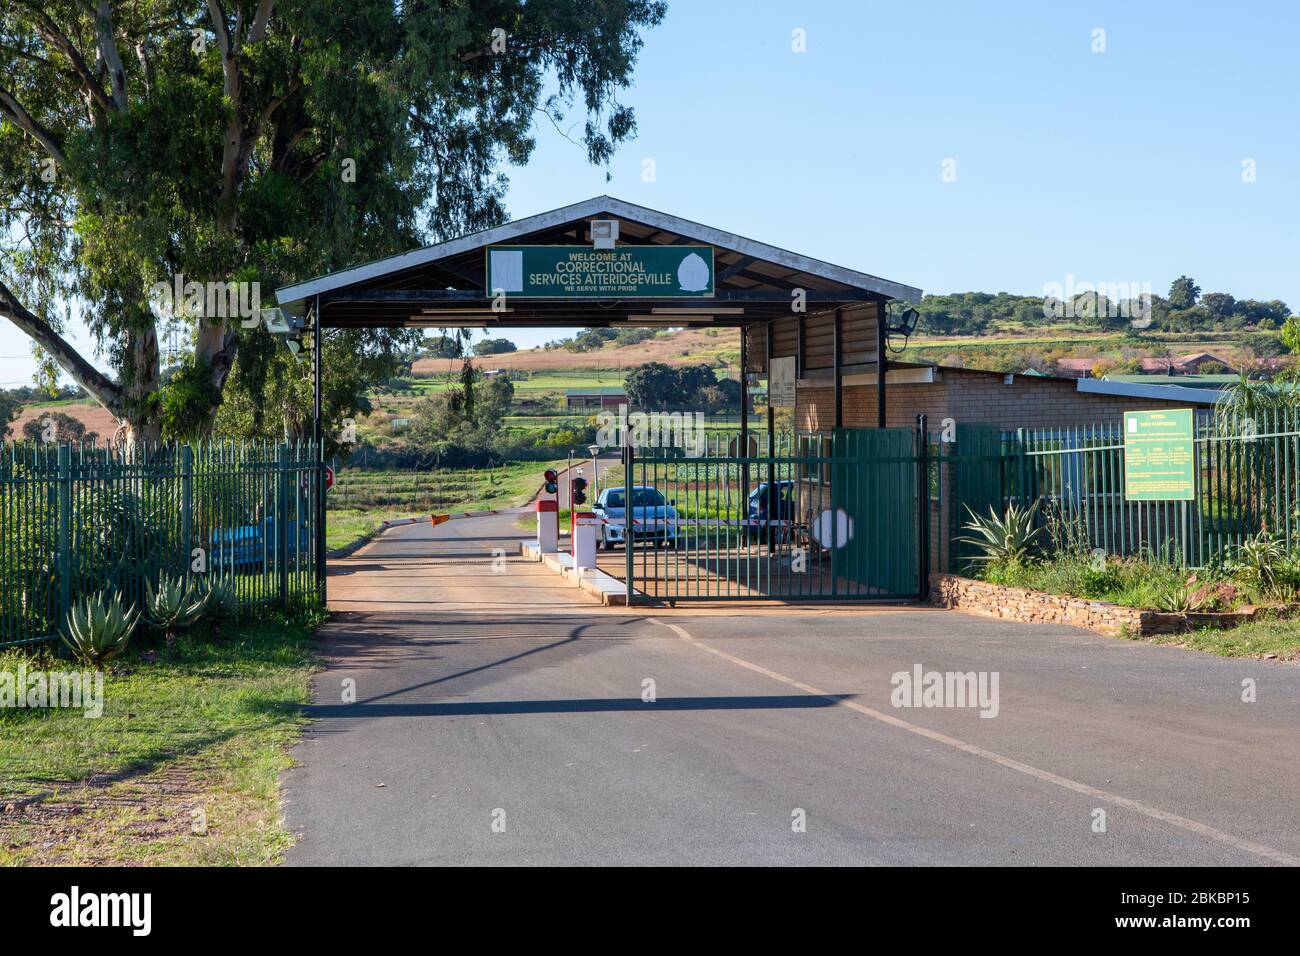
(604, 233)
(276, 322)
(899, 328)
(907, 321)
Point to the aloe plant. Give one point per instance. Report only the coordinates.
(1175, 599)
(174, 605)
(1003, 539)
(222, 603)
(97, 629)
(1258, 559)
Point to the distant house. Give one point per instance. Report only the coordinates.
(1076, 367)
(1006, 399)
(609, 396)
(1189, 364)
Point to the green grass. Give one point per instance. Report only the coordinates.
(343, 527)
(1130, 582)
(363, 499)
(206, 731)
(394, 493)
(537, 382)
(1257, 639)
(1144, 584)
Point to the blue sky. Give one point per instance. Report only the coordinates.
(1117, 166)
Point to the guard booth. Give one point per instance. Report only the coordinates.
(826, 512)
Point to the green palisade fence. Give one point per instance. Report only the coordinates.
(1247, 480)
(75, 520)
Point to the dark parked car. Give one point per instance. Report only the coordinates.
(768, 504)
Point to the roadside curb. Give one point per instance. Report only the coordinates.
(609, 591)
(356, 544)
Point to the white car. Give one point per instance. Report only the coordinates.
(654, 520)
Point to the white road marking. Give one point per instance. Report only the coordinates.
(1155, 813)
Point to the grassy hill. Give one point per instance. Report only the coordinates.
(681, 347)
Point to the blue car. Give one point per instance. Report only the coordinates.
(654, 520)
(247, 545)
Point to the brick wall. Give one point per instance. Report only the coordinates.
(971, 397)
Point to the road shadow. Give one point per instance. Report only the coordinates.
(596, 705)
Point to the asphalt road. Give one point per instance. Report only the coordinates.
(499, 719)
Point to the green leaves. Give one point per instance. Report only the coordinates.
(220, 602)
(230, 167)
(1003, 539)
(174, 605)
(97, 630)
(1257, 560)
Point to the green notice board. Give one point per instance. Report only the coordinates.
(581, 272)
(1159, 456)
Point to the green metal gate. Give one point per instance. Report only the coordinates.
(835, 518)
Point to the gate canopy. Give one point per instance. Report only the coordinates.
(448, 285)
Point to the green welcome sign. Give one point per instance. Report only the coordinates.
(1159, 455)
(581, 272)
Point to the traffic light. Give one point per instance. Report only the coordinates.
(579, 486)
(552, 481)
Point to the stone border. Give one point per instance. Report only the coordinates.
(609, 591)
(1037, 607)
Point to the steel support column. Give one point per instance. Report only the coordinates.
(771, 440)
(744, 412)
(881, 363)
(744, 391)
(798, 360)
(837, 339)
(317, 437)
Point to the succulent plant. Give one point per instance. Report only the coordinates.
(97, 629)
(1258, 559)
(1003, 539)
(221, 602)
(174, 605)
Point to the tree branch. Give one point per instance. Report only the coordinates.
(10, 107)
(47, 28)
(233, 144)
(108, 51)
(260, 20)
(106, 392)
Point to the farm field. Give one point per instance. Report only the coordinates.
(91, 414)
(364, 498)
(685, 347)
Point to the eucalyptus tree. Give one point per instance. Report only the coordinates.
(239, 141)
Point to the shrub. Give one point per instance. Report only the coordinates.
(97, 630)
(1257, 561)
(1005, 539)
(221, 604)
(174, 606)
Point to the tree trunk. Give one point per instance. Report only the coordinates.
(141, 375)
